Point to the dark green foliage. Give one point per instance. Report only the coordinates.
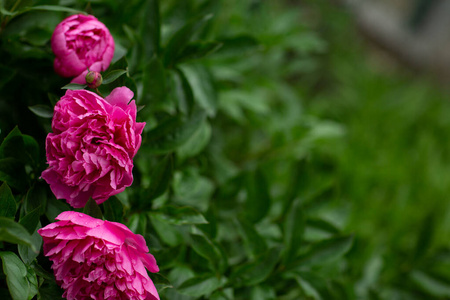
(92, 209)
(22, 282)
(13, 232)
(7, 202)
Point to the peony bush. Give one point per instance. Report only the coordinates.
(182, 141)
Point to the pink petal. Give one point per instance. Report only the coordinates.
(120, 96)
(80, 219)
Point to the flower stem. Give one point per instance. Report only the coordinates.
(98, 92)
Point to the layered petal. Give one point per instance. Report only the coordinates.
(81, 42)
(90, 152)
(93, 260)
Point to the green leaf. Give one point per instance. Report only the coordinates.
(323, 225)
(296, 181)
(294, 227)
(53, 100)
(130, 33)
(150, 29)
(92, 209)
(256, 272)
(55, 207)
(161, 177)
(254, 243)
(327, 250)
(199, 286)
(181, 38)
(119, 52)
(209, 229)
(180, 215)
(32, 283)
(12, 145)
(311, 285)
(202, 85)
(57, 8)
(258, 200)
(37, 36)
(192, 189)
(41, 272)
(172, 133)
(31, 148)
(14, 233)
(431, 285)
(263, 292)
(238, 45)
(16, 275)
(198, 50)
(121, 64)
(182, 92)
(7, 12)
(207, 249)
(36, 197)
(21, 147)
(74, 86)
(164, 128)
(154, 82)
(166, 232)
(180, 272)
(124, 199)
(222, 294)
(26, 252)
(12, 171)
(113, 75)
(7, 202)
(31, 220)
(113, 209)
(197, 142)
(138, 223)
(160, 282)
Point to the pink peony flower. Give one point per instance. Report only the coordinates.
(95, 259)
(81, 42)
(90, 152)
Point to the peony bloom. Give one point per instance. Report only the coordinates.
(90, 152)
(95, 259)
(81, 42)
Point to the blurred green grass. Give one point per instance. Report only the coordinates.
(381, 151)
(392, 167)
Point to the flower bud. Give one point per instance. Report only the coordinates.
(81, 42)
(93, 79)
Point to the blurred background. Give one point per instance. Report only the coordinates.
(384, 78)
(372, 78)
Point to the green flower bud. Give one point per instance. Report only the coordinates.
(93, 79)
